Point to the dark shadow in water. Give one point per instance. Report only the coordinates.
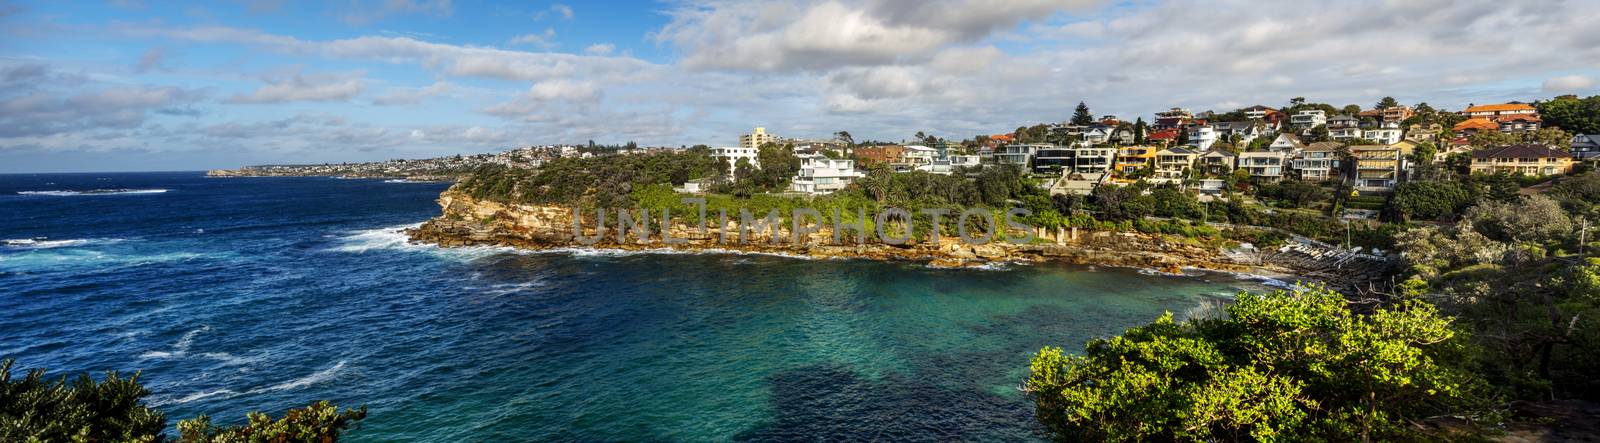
(832, 403)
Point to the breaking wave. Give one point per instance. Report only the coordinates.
(94, 192)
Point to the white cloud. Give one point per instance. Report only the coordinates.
(563, 10)
(600, 49)
(361, 13)
(1567, 84)
(298, 88)
(407, 96)
(544, 39)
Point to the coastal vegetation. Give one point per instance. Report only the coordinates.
(1282, 366)
(36, 409)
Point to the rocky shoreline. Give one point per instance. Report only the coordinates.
(251, 172)
(467, 221)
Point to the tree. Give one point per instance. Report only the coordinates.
(1386, 103)
(1139, 129)
(1428, 200)
(845, 137)
(1282, 366)
(1578, 116)
(1351, 110)
(35, 409)
(1081, 116)
(319, 422)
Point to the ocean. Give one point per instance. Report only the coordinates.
(239, 294)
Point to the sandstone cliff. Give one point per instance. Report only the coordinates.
(468, 221)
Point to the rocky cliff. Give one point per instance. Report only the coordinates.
(467, 221)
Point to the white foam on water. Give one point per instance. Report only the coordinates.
(178, 349)
(94, 192)
(308, 380)
(44, 243)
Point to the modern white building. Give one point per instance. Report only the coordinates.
(1265, 165)
(1308, 119)
(1093, 160)
(822, 175)
(734, 154)
(1387, 136)
(917, 156)
(1202, 136)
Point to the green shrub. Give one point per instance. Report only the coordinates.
(1282, 366)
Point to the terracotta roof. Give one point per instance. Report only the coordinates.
(1477, 123)
(1524, 150)
(1500, 108)
(1324, 146)
(1516, 117)
(1163, 135)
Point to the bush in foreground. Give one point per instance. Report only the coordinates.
(1283, 366)
(33, 409)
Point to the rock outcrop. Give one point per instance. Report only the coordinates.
(468, 221)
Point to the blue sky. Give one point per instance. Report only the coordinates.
(147, 85)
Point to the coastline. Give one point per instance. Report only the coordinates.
(466, 221)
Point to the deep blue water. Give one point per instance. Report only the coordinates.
(246, 294)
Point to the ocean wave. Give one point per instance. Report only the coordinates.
(180, 348)
(308, 380)
(59, 193)
(45, 243)
(404, 180)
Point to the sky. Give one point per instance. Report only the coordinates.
(144, 85)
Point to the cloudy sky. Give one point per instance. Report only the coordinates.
(161, 85)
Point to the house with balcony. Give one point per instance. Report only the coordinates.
(1265, 166)
(820, 175)
(1286, 142)
(1397, 114)
(1241, 133)
(1383, 134)
(1307, 119)
(1172, 165)
(1518, 122)
(916, 156)
(1201, 135)
(1019, 155)
(1053, 160)
(1585, 147)
(1216, 162)
(1499, 110)
(1505, 117)
(1132, 159)
(1419, 133)
(1375, 168)
(880, 155)
(1174, 118)
(1527, 159)
(1093, 159)
(1318, 162)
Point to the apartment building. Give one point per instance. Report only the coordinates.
(1521, 159)
(820, 175)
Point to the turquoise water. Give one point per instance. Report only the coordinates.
(240, 294)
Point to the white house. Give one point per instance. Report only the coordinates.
(1387, 136)
(918, 156)
(1308, 119)
(1202, 136)
(822, 175)
(1286, 142)
(1265, 165)
(733, 154)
